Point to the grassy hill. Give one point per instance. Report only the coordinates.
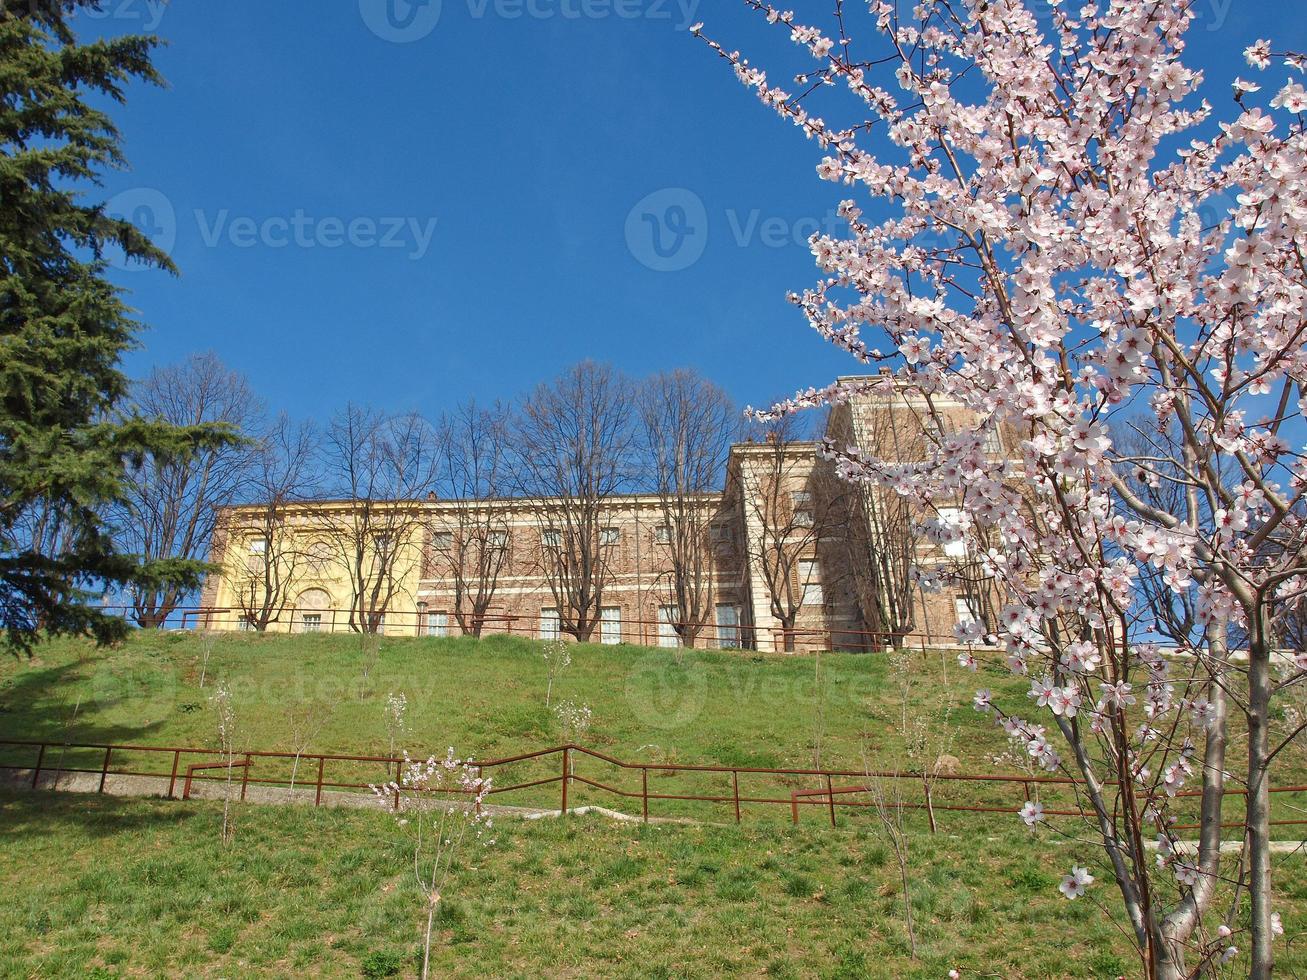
(487, 697)
(103, 887)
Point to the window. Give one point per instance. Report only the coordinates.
(498, 540)
(245, 624)
(437, 624)
(549, 625)
(810, 581)
(991, 443)
(312, 623)
(719, 533)
(667, 635)
(965, 610)
(319, 556)
(259, 546)
(378, 621)
(728, 626)
(663, 534)
(610, 625)
(953, 517)
(550, 538)
(802, 508)
(381, 542)
(442, 540)
(609, 536)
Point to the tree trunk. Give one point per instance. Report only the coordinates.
(1258, 814)
(787, 632)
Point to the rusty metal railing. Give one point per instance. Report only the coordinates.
(557, 767)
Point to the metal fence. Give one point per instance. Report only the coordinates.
(639, 632)
(525, 779)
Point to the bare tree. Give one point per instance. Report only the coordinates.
(687, 423)
(264, 573)
(469, 546)
(169, 510)
(574, 439)
(383, 468)
(790, 515)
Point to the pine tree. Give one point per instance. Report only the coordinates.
(65, 442)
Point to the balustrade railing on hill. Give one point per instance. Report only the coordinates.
(518, 779)
(639, 632)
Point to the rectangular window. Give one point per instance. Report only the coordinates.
(719, 533)
(663, 534)
(550, 628)
(667, 635)
(810, 581)
(550, 538)
(259, 546)
(244, 625)
(610, 625)
(442, 540)
(312, 623)
(498, 540)
(952, 516)
(802, 508)
(728, 626)
(991, 444)
(609, 536)
(437, 624)
(965, 609)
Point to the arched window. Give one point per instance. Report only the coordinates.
(311, 611)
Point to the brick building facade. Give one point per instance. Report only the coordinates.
(775, 557)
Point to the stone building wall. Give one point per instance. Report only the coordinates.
(739, 609)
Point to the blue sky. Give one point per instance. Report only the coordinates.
(407, 205)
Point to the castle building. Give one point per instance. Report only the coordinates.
(786, 557)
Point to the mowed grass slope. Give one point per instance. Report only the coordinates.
(98, 886)
(103, 887)
(486, 697)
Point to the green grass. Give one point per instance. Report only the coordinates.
(98, 886)
(145, 888)
(484, 696)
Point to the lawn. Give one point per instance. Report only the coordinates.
(144, 887)
(105, 887)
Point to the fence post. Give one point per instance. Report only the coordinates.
(245, 779)
(830, 793)
(172, 779)
(567, 774)
(644, 788)
(735, 779)
(104, 770)
(322, 761)
(36, 773)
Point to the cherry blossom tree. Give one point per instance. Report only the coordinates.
(1048, 224)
